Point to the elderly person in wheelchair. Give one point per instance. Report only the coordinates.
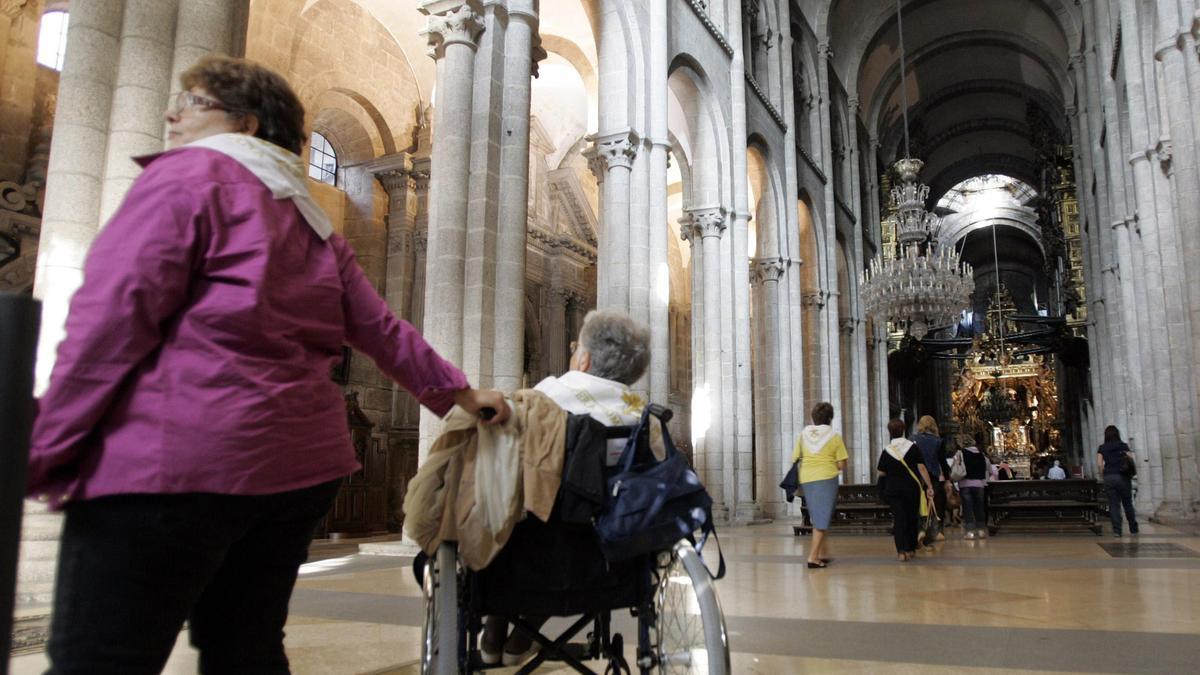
(611, 353)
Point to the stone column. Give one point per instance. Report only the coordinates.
(830, 366)
(613, 154)
(71, 208)
(557, 339)
(1105, 248)
(519, 50)
(882, 404)
(1177, 57)
(740, 395)
(135, 124)
(791, 354)
(204, 27)
(687, 233)
(709, 225)
(1151, 220)
(452, 29)
(859, 434)
(774, 457)
(659, 145)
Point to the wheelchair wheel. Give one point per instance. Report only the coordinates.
(440, 636)
(689, 628)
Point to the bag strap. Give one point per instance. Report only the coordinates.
(924, 510)
(664, 415)
(707, 529)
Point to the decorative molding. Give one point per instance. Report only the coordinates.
(701, 10)
(1115, 59)
(845, 208)
(813, 299)
(812, 164)
(557, 241)
(762, 97)
(565, 187)
(420, 242)
(847, 326)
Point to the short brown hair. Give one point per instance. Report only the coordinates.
(895, 428)
(822, 413)
(246, 87)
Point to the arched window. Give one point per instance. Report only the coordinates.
(322, 160)
(52, 40)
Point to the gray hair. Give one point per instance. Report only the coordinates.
(618, 345)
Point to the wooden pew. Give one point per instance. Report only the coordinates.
(1044, 506)
(858, 511)
(1072, 505)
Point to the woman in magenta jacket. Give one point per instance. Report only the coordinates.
(191, 431)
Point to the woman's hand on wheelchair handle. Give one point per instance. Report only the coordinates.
(488, 404)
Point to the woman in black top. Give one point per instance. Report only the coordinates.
(899, 466)
(1110, 458)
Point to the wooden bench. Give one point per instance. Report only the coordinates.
(858, 511)
(1014, 506)
(1044, 506)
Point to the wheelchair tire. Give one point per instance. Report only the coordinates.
(440, 635)
(689, 627)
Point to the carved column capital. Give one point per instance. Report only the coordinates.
(767, 269)
(613, 150)
(812, 299)
(708, 221)
(846, 326)
(11, 8)
(396, 181)
(451, 22)
(1162, 152)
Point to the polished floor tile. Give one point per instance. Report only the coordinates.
(1005, 604)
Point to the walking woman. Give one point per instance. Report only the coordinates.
(191, 431)
(1115, 460)
(899, 466)
(972, 487)
(822, 456)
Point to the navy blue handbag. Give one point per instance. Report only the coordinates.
(652, 504)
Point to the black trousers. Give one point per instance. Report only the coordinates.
(974, 516)
(1120, 495)
(132, 568)
(907, 521)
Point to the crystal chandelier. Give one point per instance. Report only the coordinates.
(925, 285)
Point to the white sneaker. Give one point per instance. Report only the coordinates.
(983, 534)
(969, 535)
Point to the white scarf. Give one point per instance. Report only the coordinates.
(606, 401)
(898, 447)
(281, 171)
(814, 437)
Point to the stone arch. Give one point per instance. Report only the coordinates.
(703, 122)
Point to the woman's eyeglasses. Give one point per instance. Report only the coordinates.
(186, 99)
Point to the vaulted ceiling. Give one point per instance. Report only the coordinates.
(976, 70)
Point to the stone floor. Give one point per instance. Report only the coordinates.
(1028, 603)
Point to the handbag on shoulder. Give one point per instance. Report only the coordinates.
(791, 482)
(1128, 467)
(958, 467)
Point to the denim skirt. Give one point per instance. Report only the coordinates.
(819, 497)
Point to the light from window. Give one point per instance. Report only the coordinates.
(322, 160)
(52, 40)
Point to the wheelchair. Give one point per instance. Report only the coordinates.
(557, 569)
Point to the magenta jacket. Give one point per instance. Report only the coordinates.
(198, 349)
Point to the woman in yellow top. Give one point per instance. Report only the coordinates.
(822, 456)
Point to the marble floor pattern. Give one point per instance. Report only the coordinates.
(1054, 603)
